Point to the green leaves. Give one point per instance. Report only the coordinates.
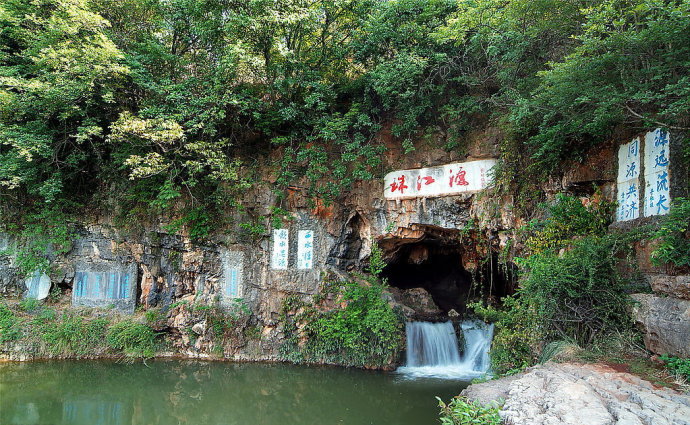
(679, 366)
(10, 325)
(128, 96)
(58, 71)
(134, 339)
(363, 332)
(568, 218)
(674, 245)
(630, 61)
(462, 411)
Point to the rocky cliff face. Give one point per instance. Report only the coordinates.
(446, 247)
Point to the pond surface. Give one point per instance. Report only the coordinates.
(168, 392)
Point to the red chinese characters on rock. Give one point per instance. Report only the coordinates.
(426, 181)
(399, 185)
(458, 178)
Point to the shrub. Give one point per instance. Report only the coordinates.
(461, 411)
(366, 332)
(678, 366)
(568, 217)
(376, 262)
(516, 338)
(29, 305)
(570, 288)
(10, 325)
(577, 296)
(675, 241)
(154, 316)
(135, 339)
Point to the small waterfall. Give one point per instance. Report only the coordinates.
(478, 337)
(432, 350)
(431, 344)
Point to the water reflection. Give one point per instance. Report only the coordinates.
(183, 392)
(93, 411)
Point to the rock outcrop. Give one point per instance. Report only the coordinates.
(440, 251)
(674, 286)
(575, 394)
(665, 322)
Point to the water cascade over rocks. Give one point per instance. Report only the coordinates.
(432, 350)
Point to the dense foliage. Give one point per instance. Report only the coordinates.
(674, 236)
(134, 339)
(678, 366)
(566, 218)
(150, 106)
(362, 329)
(571, 290)
(461, 411)
(9, 325)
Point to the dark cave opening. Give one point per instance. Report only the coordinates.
(438, 268)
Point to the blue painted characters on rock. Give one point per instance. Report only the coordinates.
(102, 285)
(630, 202)
(628, 181)
(657, 149)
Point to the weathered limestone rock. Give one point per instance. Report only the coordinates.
(442, 233)
(563, 394)
(10, 283)
(674, 286)
(643, 256)
(199, 328)
(596, 169)
(665, 323)
(485, 142)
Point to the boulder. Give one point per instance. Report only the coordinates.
(38, 286)
(665, 322)
(576, 394)
(415, 301)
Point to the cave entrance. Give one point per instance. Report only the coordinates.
(452, 272)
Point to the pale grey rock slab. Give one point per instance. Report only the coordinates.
(576, 394)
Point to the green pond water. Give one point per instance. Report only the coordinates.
(196, 393)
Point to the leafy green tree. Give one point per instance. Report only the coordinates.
(172, 104)
(58, 77)
(630, 67)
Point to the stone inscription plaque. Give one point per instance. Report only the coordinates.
(97, 285)
(233, 270)
(643, 164)
(281, 249)
(628, 181)
(657, 157)
(305, 249)
(444, 180)
(38, 286)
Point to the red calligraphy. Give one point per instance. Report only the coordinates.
(427, 180)
(458, 178)
(399, 184)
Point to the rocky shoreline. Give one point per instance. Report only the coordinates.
(572, 393)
